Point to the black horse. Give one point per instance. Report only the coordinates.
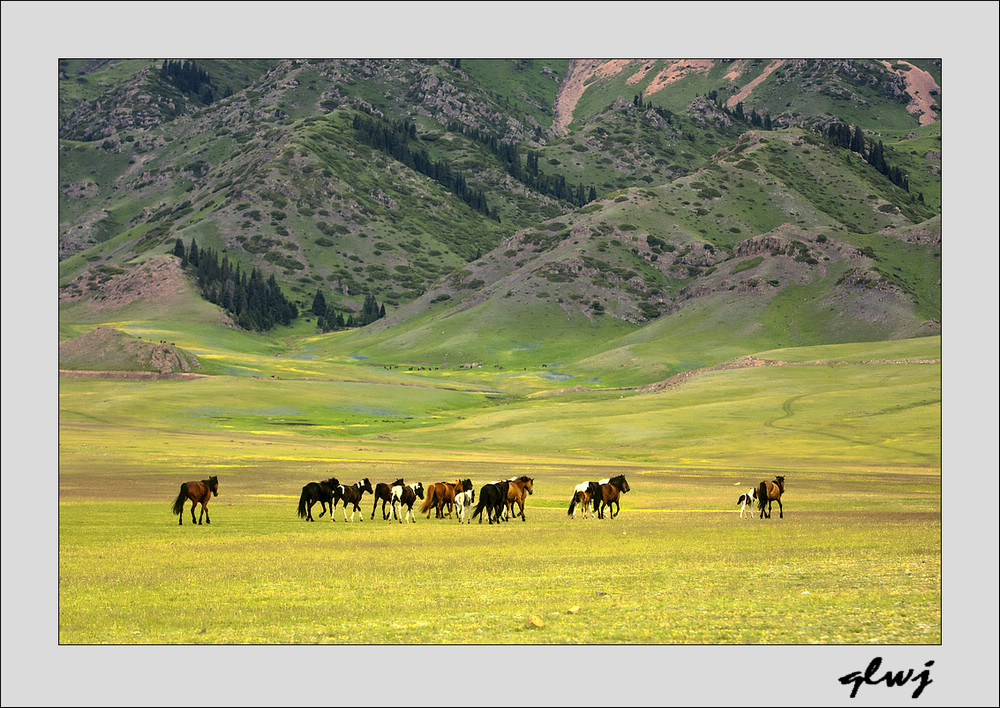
(314, 492)
(492, 499)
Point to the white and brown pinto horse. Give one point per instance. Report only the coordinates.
(747, 499)
(585, 495)
(768, 492)
(463, 505)
(352, 495)
(406, 495)
(383, 493)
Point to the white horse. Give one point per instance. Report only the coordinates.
(747, 499)
(463, 505)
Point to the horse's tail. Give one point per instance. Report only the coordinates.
(761, 495)
(302, 504)
(479, 509)
(181, 498)
(572, 504)
(429, 501)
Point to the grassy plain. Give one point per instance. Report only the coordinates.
(855, 560)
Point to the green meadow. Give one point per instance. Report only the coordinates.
(855, 430)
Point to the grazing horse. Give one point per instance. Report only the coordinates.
(442, 493)
(492, 498)
(746, 500)
(406, 495)
(463, 504)
(768, 492)
(352, 495)
(199, 493)
(383, 493)
(516, 492)
(611, 493)
(585, 494)
(314, 492)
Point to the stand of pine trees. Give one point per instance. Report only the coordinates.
(255, 303)
(753, 118)
(393, 139)
(329, 319)
(843, 136)
(529, 174)
(188, 79)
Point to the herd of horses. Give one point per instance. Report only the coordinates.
(500, 501)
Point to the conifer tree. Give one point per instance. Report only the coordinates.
(319, 304)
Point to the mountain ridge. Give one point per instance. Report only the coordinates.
(691, 199)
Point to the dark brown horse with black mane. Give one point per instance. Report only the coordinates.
(199, 493)
(443, 493)
(517, 491)
(317, 492)
(611, 492)
(768, 492)
(383, 493)
(352, 495)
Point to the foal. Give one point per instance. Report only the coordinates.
(463, 505)
(584, 494)
(746, 500)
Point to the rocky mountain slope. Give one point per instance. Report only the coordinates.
(603, 188)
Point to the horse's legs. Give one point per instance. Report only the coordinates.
(781, 512)
(193, 505)
(180, 517)
(204, 508)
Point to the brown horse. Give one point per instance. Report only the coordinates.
(768, 492)
(442, 493)
(199, 493)
(383, 493)
(610, 494)
(517, 489)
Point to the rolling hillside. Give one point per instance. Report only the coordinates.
(493, 206)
